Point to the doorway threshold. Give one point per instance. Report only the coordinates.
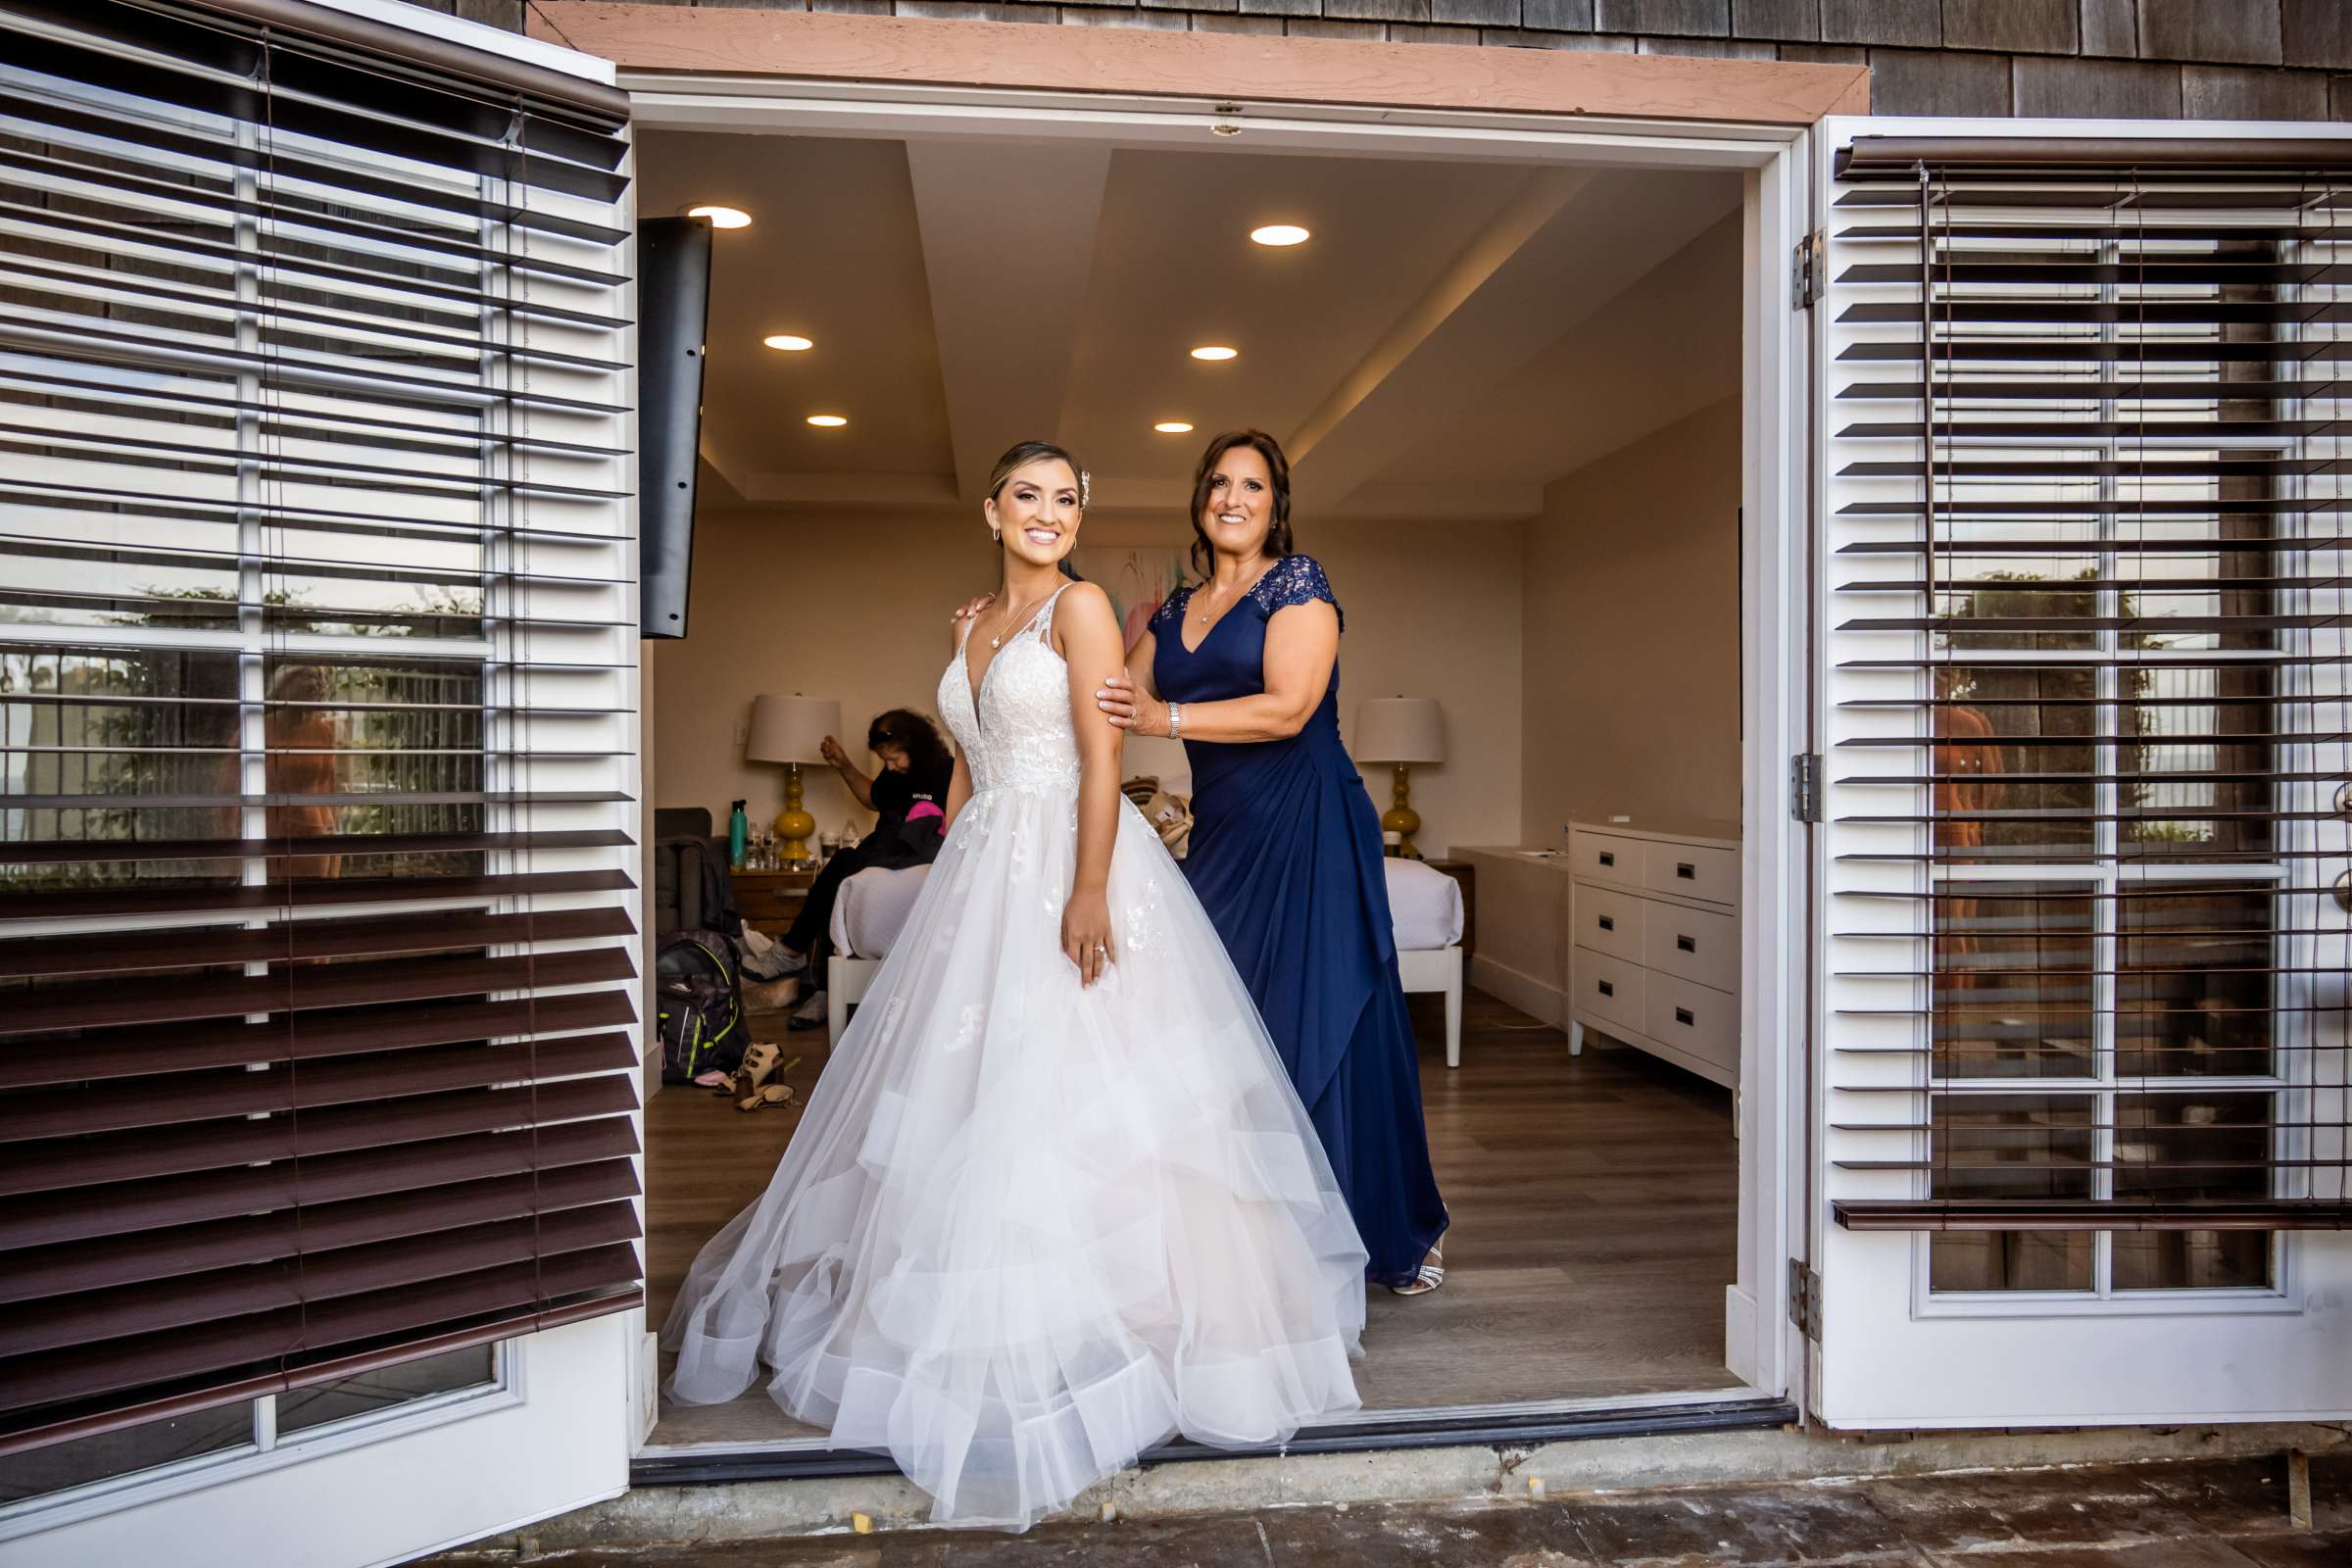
(1527, 1422)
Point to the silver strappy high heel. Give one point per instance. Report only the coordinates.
(1428, 1277)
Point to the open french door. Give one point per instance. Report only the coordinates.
(2082, 1111)
(319, 758)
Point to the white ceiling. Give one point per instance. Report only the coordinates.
(1453, 337)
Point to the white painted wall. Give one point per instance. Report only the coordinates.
(1632, 683)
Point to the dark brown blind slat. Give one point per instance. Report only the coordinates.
(66, 849)
(148, 1101)
(159, 1203)
(2286, 165)
(322, 894)
(105, 1264)
(170, 1401)
(341, 985)
(237, 1344)
(298, 1038)
(324, 1272)
(305, 939)
(2087, 388)
(2117, 1214)
(212, 1146)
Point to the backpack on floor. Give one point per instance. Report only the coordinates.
(699, 990)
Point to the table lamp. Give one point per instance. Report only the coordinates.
(1400, 731)
(792, 730)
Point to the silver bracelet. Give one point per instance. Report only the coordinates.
(1175, 721)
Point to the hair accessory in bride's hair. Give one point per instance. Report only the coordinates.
(1086, 487)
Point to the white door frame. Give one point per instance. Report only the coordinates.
(1760, 1346)
(548, 1438)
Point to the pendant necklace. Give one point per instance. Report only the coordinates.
(997, 641)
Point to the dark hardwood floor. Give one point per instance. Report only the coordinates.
(1594, 1201)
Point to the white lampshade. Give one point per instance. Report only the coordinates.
(1399, 729)
(791, 730)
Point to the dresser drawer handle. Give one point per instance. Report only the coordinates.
(1686, 871)
(1608, 922)
(1682, 1015)
(1686, 943)
(1606, 989)
(1608, 857)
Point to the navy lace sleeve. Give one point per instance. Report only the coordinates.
(1171, 613)
(1296, 581)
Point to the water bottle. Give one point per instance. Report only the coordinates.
(739, 832)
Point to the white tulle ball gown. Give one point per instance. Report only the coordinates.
(1027, 1229)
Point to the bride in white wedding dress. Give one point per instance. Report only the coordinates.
(1053, 1198)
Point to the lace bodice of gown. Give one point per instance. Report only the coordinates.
(1019, 735)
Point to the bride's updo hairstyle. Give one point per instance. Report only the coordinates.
(1277, 535)
(1020, 455)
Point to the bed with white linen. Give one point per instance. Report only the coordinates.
(873, 907)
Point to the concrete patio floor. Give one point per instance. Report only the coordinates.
(2200, 1514)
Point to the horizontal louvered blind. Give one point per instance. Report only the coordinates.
(316, 667)
(2087, 726)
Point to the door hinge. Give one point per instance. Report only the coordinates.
(1812, 265)
(1804, 1299)
(1804, 786)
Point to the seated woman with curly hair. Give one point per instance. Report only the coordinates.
(909, 799)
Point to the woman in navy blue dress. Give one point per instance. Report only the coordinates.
(1285, 850)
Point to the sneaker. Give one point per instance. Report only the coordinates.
(766, 995)
(811, 1013)
(783, 961)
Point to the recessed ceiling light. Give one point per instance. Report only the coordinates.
(721, 217)
(827, 422)
(1172, 427)
(1280, 234)
(1212, 351)
(789, 342)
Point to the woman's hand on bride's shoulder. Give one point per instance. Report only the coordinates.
(1137, 712)
(1086, 934)
(967, 611)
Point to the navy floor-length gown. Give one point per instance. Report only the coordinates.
(1286, 857)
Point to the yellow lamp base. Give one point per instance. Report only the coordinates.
(1401, 818)
(795, 827)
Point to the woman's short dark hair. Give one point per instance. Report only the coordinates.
(1277, 467)
(910, 732)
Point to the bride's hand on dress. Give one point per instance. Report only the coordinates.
(1086, 934)
(1137, 712)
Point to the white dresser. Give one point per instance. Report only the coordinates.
(1654, 940)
